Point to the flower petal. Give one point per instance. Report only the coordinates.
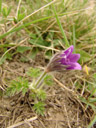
(74, 57)
(68, 51)
(74, 66)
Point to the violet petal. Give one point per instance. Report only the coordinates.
(74, 57)
(68, 51)
(74, 66)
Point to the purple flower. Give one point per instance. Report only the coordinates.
(64, 60)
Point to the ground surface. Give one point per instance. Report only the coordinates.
(62, 107)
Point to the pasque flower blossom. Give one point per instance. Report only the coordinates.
(61, 61)
(64, 60)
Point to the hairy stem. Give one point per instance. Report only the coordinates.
(37, 85)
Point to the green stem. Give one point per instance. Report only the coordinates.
(37, 85)
(41, 86)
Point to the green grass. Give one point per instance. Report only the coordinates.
(60, 26)
(92, 123)
(51, 26)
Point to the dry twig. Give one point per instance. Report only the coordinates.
(23, 122)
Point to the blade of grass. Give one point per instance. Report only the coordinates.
(74, 39)
(60, 26)
(0, 5)
(18, 8)
(92, 123)
(93, 50)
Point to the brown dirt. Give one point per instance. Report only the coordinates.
(62, 110)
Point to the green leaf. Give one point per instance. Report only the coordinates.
(48, 80)
(19, 85)
(41, 94)
(11, 91)
(24, 59)
(24, 90)
(34, 72)
(5, 56)
(8, 56)
(22, 49)
(34, 52)
(33, 96)
(6, 11)
(33, 36)
(88, 103)
(20, 16)
(39, 108)
(15, 19)
(9, 10)
(2, 60)
(92, 100)
(39, 42)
